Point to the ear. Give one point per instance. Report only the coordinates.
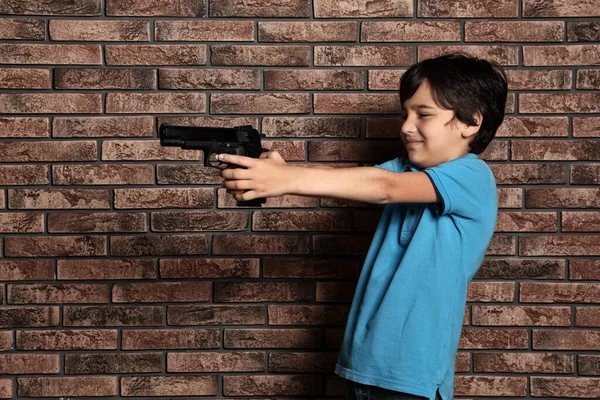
(470, 130)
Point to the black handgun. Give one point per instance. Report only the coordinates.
(240, 140)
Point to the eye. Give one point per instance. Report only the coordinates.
(424, 115)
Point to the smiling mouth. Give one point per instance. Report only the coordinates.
(413, 143)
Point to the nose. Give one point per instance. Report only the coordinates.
(407, 126)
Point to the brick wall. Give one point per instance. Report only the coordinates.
(126, 271)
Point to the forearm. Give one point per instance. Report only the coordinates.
(366, 184)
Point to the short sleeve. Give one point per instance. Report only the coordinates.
(465, 186)
(395, 165)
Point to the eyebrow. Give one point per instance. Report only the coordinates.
(420, 106)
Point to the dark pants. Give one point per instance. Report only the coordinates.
(358, 391)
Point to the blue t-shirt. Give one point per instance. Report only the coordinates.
(406, 318)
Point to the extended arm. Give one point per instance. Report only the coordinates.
(271, 176)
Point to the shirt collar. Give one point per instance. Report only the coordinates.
(410, 167)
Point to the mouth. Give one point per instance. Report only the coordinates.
(411, 144)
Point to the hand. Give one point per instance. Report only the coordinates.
(267, 176)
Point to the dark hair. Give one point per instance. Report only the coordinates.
(465, 85)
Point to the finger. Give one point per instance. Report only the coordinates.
(249, 195)
(235, 173)
(230, 191)
(237, 184)
(264, 154)
(237, 160)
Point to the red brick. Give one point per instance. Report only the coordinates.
(553, 363)
(587, 317)
(164, 198)
(586, 31)
(356, 103)
(306, 127)
(586, 127)
(562, 198)
(490, 386)
(310, 268)
(158, 245)
(313, 80)
(50, 103)
(566, 339)
(290, 150)
(113, 363)
(588, 365)
(21, 223)
(260, 244)
(156, 103)
(68, 386)
(57, 293)
(247, 361)
(73, 339)
(154, 8)
(98, 30)
(271, 103)
(334, 292)
(526, 222)
(502, 245)
(320, 362)
(559, 103)
(262, 291)
(494, 339)
(497, 150)
(581, 222)
(113, 316)
(26, 270)
(518, 268)
(241, 79)
(76, 7)
(380, 56)
(521, 316)
(307, 314)
(226, 200)
(274, 385)
(105, 269)
(83, 78)
(209, 268)
(584, 269)
(97, 222)
(23, 29)
(107, 174)
(163, 292)
(470, 9)
(51, 54)
(561, 55)
(514, 31)
(505, 55)
(510, 197)
(146, 150)
(204, 31)
(58, 198)
(160, 54)
(260, 9)
(539, 80)
(6, 388)
(216, 315)
(565, 387)
(588, 79)
(24, 127)
(193, 338)
(272, 338)
(20, 364)
(28, 317)
(301, 221)
(341, 245)
(362, 9)
(560, 246)
(24, 78)
(559, 292)
(384, 80)
(169, 386)
(529, 174)
(408, 31)
(55, 246)
(534, 127)
(293, 56)
(584, 150)
(307, 31)
(119, 126)
(496, 292)
(198, 221)
(559, 8)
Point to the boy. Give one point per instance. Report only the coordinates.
(440, 210)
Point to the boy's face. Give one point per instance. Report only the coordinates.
(431, 134)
